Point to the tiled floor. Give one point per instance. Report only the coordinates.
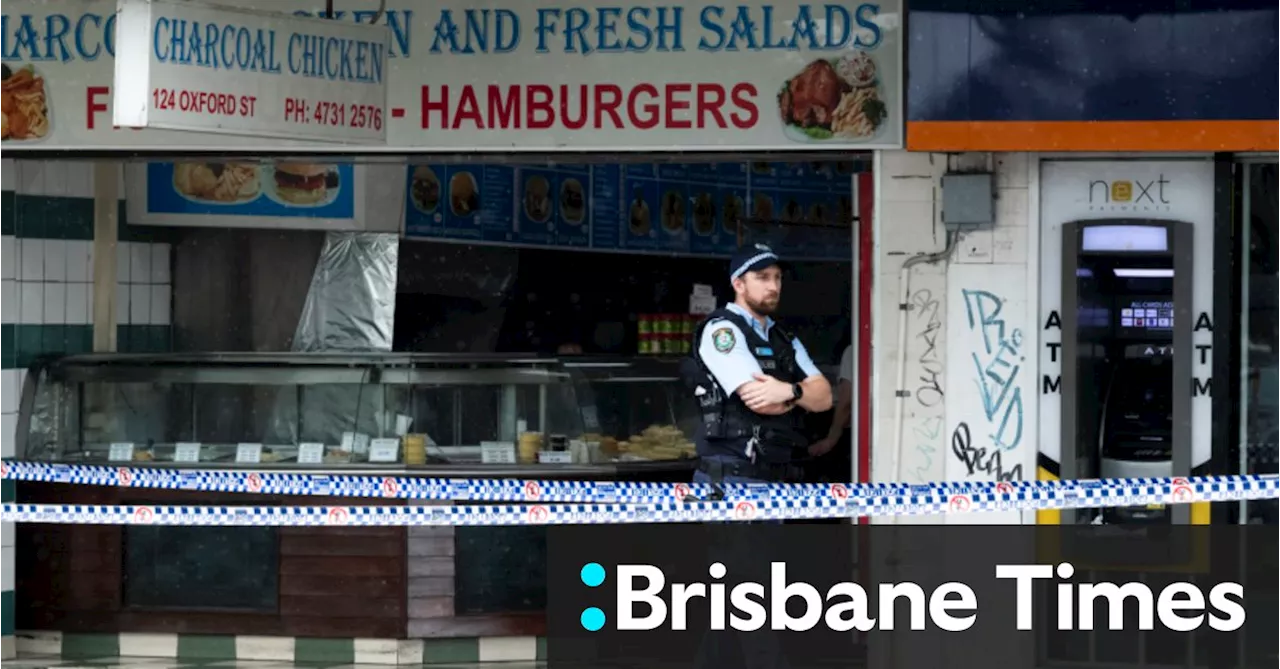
(51, 662)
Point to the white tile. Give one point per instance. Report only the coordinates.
(55, 178)
(976, 248)
(79, 179)
(30, 302)
(508, 648)
(1012, 170)
(264, 648)
(160, 263)
(55, 303)
(78, 267)
(55, 260)
(8, 428)
(122, 261)
(8, 174)
(377, 651)
(410, 651)
(30, 177)
(139, 304)
(40, 643)
(30, 259)
(79, 311)
(10, 302)
(1010, 245)
(7, 538)
(9, 390)
(122, 304)
(1011, 208)
(6, 575)
(148, 645)
(8, 257)
(139, 263)
(161, 304)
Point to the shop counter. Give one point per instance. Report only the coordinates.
(375, 414)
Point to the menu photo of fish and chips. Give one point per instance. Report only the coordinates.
(288, 184)
(834, 100)
(24, 101)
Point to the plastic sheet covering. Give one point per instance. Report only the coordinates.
(352, 301)
(350, 307)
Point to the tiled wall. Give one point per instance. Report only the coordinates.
(47, 300)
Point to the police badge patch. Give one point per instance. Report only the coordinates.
(723, 339)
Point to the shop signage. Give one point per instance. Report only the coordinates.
(491, 76)
(208, 68)
(295, 194)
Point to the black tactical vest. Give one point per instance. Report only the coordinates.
(727, 424)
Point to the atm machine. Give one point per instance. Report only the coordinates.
(1127, 358)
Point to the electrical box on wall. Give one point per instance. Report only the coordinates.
(968, 201)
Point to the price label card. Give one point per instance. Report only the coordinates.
(498, 453)
(555, 457)
(310, 453)
(186, 451)
(121, 452)
(384, 450)
(249, 453)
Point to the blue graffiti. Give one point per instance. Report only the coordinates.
(997, 367)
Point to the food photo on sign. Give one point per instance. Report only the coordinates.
(25, 104)
(246, 192)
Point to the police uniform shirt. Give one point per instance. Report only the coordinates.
(725, 351)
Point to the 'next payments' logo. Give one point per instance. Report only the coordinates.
(1129, 195)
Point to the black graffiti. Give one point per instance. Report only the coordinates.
(930, 393)
(979, 460)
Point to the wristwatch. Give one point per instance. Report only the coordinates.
(797, 391)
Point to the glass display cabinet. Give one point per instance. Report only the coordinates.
(488, 414)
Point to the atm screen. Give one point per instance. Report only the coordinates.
(1144, 315)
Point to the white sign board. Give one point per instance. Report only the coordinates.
(489, 76)
(208, 68)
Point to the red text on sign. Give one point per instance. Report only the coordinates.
(674, 106)
(204, 102)
(332, 114)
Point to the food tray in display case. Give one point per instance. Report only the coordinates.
(308, 410)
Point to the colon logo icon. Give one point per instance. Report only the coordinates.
(143, 515)
(592, 575)
(960, 504)
(337, 516)
(682, 491)
(539, 514)
(389, 487)
(124, 476)
(1183, 493)
(254, 482)
(532, 490)
(839, 491)
(744, 511)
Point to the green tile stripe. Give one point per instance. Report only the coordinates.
(203, 649)
(6, 608)
(21, 344)
(90, 645)
(446, 651)
(324, 651)
(8, 493)
(50, 217)
(206, 647)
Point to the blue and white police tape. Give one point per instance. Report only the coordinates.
(935, 502)
(518, 490)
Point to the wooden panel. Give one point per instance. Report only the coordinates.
(333, 582)
(430, 607)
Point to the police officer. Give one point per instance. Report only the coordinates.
(752, 379)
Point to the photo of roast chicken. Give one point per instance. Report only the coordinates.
(811, 97)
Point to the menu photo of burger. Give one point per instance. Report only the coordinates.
(302, 184)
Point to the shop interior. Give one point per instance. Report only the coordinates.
(473, 351)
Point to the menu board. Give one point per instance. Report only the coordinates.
(805, 210)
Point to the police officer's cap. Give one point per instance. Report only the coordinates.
(752, 258)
